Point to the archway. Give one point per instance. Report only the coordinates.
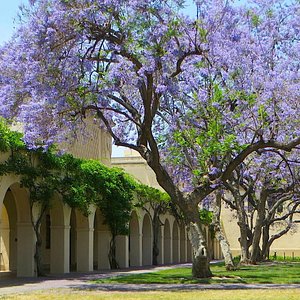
(147, 241)
(17, 238)
(45, 232)
(8, 234)
(167, 242)
(175, 243)
(82, 240)
(4, 241)
(160, 246)
(135, 242)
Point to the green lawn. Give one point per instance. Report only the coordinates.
(279, 272)
(291, 294)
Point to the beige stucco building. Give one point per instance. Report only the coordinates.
(288, 245)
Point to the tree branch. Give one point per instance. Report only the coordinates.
(255, 147)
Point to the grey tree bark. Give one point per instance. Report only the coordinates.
(200, 266)
(220, 234)
(260, 218)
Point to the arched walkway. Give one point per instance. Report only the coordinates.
(45, 232)
(160, 246)
(147, 241)
(82, 228)
(8, 235)
(183, 244)
(167, 242)
(175, 243)
(135, 242)
(57, 224)
(17, 238)
(73, 242)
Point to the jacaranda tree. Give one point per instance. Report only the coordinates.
(194, 96)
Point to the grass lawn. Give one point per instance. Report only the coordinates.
(274, 272)
(194, 295)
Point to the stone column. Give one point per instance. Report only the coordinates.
(85, 238)
(60, 249)
(26, 250)
(104, 238)
(122, 253)
(136, 250)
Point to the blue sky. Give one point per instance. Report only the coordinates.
(8, 12)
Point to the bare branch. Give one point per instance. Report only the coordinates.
(255, 147)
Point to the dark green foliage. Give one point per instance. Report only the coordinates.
(89, 181)
(9, 140)
(147, 194)
(206, 216)
(81, 182)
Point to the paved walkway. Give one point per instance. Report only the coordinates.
(82, 281)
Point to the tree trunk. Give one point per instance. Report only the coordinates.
(256, 251)
(188, 206)
(36, 224)
(220, 235)
(200, 267)
(265, 251)
(38, 250)
(243, 240)
(276, 236)
(112, 253)
(244, 243)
